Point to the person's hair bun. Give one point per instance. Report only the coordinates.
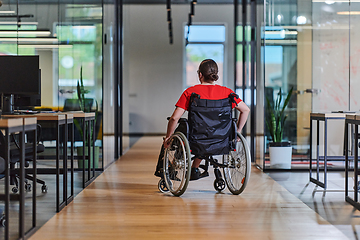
(209, 69)
(214, 77)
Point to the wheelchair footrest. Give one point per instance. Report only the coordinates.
(196, 174)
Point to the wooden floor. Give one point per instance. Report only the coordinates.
(124, 203)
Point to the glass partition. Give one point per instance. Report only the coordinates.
(309, 46)
(66, 37)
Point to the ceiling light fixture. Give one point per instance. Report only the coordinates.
(334, 1)
(37, 33)
(18, 23)
(44, 46)
(7, 12)
(22, 40)
(349, 13)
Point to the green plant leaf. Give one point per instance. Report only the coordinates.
(276, 118)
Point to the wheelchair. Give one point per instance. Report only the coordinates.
(235, 163)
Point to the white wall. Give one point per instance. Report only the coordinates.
(48, 88)
(154, 68)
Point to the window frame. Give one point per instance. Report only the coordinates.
(224, 43)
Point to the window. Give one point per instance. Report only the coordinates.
(203, 41)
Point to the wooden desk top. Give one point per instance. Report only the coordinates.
(80, 114)
(29, 121)
(68, 115)
(8, 123)
(351, 116)
(328, 115)
(40, 116)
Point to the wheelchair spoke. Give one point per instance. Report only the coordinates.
(176, 164)
(238, 171)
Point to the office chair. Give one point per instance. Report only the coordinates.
(15, 157)
(74, 104)
(2, 175)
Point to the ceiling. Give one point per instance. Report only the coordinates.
(124, 1)
(142, 1)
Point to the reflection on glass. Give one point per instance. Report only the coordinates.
(195, 53)
(203, 41)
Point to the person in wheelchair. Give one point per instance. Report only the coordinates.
(208, 90)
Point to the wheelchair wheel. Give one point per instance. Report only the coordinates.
(177, 160)
(162, 186)
(237, 173)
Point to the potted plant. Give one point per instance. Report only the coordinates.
(280, 151)
(81, 92)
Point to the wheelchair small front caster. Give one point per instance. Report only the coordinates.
(219, 184)
(28, 187)
(2, 221)
(15, 190)
(44, 189)
(162, 186)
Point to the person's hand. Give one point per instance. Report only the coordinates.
(166, 142)
(237, 135)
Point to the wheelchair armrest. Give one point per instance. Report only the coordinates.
(183, 120)
(39, 132)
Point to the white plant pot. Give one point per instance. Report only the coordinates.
(280, 157)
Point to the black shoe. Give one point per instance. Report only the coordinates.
(159, 173)
(195, 174)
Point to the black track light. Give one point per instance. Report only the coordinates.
(194, 1)
(169, 16)
(168, 5)
(192, 8)
(190, 19)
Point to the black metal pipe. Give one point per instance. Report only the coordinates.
(192, 9)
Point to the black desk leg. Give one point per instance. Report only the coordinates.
(34, 175)
(22, 188)
(317, 151)
(89, 150)
(311, 128)
(356, 164)
(57, 169)
(7, 183)
(346, 159)
(65, 137)
(93, 145)
(325, 154)
(84, 144)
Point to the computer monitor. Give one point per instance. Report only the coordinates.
(28, 101)
(20, 81)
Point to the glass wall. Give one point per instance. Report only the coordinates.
(311, 47)
(245, 65)
(203, 42)
(68, 38)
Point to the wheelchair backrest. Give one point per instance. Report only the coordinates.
(211, 129)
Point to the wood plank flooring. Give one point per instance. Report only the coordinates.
(124, 203)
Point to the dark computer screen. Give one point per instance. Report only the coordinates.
(19, 75)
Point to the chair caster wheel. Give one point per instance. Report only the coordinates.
(3, 221)
(28, 187)
(162, 186)
(15, 190)
(219, 184)
(44, 189)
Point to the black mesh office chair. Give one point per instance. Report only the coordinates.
(15, 157)
(2, 175)
(74, 104)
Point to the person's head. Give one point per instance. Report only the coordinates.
(209, 70)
